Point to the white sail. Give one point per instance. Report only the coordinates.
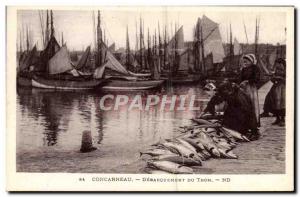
(60, 62)
(99, 72)
(212, 39)
(114, 64)
(112, 47)
(180, 41)
(237, 50)
(272, 58)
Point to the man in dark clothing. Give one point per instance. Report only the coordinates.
(239, 114)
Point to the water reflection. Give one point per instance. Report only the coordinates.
(56, 119)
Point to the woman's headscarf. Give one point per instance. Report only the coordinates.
(251, 57)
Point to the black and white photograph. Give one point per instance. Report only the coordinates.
(153, 91)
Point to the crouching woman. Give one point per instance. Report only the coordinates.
(239, 113)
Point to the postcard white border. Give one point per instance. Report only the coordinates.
(69, 181)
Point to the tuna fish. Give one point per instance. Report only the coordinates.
(171, 167)
(186, 144)
(209, 144)
(183, 151)
(178, 159)
(196, 144)
(234, 134)
(155, 152)
(228, 155)
(157, 172)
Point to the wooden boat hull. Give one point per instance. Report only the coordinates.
(132, 85)
(38, 82)
(24, 81)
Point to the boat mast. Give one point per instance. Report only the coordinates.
(99, 42)
(159, 49)
(51, 24)
(246, 32)
(47, 29)
(197, 47)
(154, 43)
(42, 28)
(175, 64)
(136, 40)
(141, 44)
(256, 36)
(62, 38)
(195, 44)
(149, 51)
(21, 48)
(231, 53)
(27, 38)
(94, 31)
(203, 69)
(165, 47)
(144, 58)
(127, 49)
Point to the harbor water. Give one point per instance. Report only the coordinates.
(50, 126)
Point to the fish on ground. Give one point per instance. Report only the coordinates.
(183, 151)
(171, 167)
(155, 152)
(178, 159)
(209, 144)
(235, 134)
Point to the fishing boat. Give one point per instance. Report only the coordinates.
(131, 85)
(55, 69)
(120, 78)
(198, 60)
(27, 60)
(75, 84)
(62, 75)
(24, 79)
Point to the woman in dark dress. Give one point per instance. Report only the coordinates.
(278, 92)
(250, 76)
(239, 114)
(275, 99)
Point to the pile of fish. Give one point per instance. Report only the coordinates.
(197, 143)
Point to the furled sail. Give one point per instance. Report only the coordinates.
(47, 54)
(60, 62)
(27, 59)
(212, 39)
(272, 59)
(99, 72)
(84, 60)
(237, 50)
(114, 64)
(112, 47)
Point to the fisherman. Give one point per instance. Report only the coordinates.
(275, 99)
(249, 77)
(239, 114)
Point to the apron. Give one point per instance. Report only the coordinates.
(251, 91)
(279, 96)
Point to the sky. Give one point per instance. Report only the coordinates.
(77, 25)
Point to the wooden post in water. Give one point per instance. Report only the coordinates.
(87, 142)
